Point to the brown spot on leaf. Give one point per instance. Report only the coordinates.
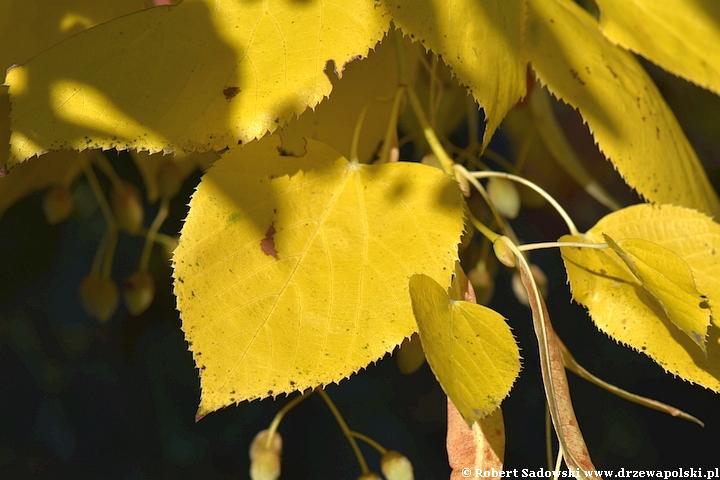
(612, 71)
(267, 244)
(575, 75)
(704, 304)
(230, 92)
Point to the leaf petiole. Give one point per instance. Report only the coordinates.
(281, 414)
(572, 365)
(391, 132)
(152, 232)
(462, 172)
(515, 178)
(445, 161)
(356, 133)
(346, 430)
(483, 229)
(109, 241)
(382, 450)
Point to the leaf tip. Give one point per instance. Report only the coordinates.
(200, 414)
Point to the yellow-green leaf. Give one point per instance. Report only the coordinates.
(678, 35)
(198, 76)
(293, 272)
(670, 281)
(469, 348)
(628, 117)
(627, 312)
(481, 41)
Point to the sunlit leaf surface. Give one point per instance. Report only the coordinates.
(678, 35)
(469, 347)
(627, 116)
(293, 272)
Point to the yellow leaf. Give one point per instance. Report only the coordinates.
(678, 35)
(626, 114)
(670, 281)
(292, 272)
(198, 76)
(481, 41)
(369, 82)
(4, 125)
(30, 26)
(627, 312)
(469, 348)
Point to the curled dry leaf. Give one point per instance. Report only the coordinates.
(480, 447)
(557, 390)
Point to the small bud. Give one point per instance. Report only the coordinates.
(138, 292)
(99, 296)
(396, 466)
(265, 466)
(505, 196)
(57, 204)
(264, 459)
(260, 442)
(370, 476)
(128, 208)
(518, 288)
(410, 355)
(464, 184)
(169, 178)
(431, 160)
(503, 252)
